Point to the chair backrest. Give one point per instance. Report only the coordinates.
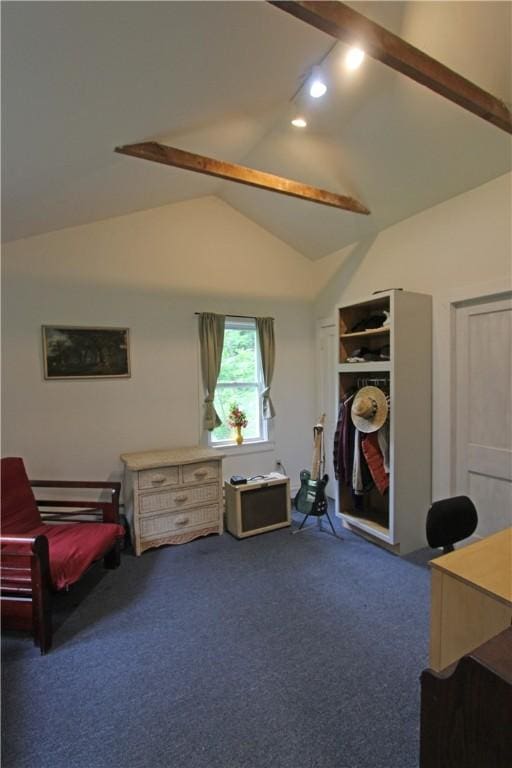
(451, 520)
(19, 508)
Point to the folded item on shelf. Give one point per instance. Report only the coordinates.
(372, 321)
(370, 354)
(365, 355)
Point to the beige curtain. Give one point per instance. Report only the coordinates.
(211, 337)
(265, 326)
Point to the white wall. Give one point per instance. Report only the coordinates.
(152, 270)
(460, 247)
(148, 271)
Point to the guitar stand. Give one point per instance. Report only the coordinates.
(319, 518)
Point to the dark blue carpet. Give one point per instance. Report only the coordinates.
(278, 651)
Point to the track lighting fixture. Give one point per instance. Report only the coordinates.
(317, 86)
(354, 58)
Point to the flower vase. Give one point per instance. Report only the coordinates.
(239, 438)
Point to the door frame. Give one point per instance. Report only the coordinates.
(443, 380)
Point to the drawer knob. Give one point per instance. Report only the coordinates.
(201, 472)
(158, 479)
(180, 498)
(183, 521)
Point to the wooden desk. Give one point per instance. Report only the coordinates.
(471, 597)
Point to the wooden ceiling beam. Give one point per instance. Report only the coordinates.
(160, 153)
(342, 22)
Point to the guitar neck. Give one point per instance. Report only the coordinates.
(317, 448)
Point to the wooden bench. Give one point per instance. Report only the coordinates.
(47, 551)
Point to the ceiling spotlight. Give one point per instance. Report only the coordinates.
(317, 87)
(354, 58)
(299, 122)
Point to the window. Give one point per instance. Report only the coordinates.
(240, 382)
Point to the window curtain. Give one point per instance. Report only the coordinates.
(211, 337)
(265, 326)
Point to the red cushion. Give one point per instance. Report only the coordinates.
(73, 547)
(19, 509)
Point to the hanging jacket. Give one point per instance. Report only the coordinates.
(383, 438)
(343, 452)
(375, 460)
(362, 478)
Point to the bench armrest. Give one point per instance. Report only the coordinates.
(108, 511)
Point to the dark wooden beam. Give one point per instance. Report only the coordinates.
(160, 153)
(342, 22)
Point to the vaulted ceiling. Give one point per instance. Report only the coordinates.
(223, 79)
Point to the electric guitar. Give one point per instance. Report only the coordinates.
(310, 498)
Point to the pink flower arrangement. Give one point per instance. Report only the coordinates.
(237, 417)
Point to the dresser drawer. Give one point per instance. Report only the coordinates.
(202, 472)
(158, 477)
(158, 525)
(177, 499)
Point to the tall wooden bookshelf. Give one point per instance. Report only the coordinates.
(395, 520)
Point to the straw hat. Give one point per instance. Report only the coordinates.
(369, 409)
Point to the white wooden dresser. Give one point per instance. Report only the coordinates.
(172, 496)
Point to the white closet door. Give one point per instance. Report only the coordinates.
(483, 399)
(326, 357)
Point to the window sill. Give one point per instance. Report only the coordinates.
(246, 448)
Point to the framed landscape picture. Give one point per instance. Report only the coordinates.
(71, 352)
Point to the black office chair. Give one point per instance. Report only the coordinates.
(450, 521)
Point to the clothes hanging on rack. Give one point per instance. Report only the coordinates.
(374, 381)
(362, 480)
(375, 460)
(337, 441)
(361, 460)
(344, 441)
(383, 438)
(357, 477)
